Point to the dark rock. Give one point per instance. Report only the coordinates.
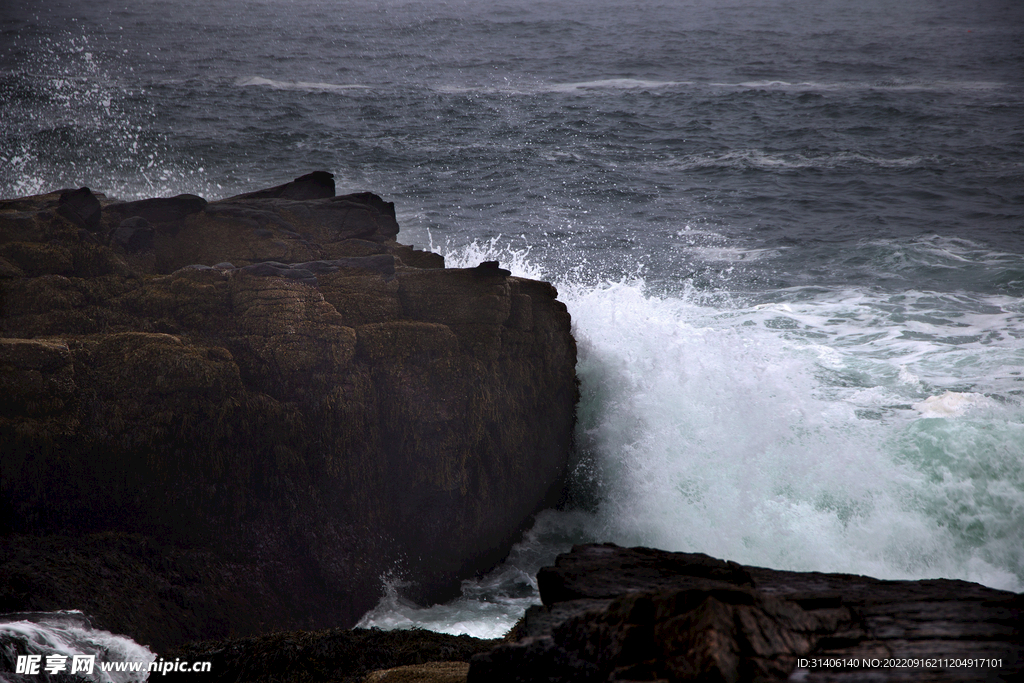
(80, 207)
(372, 200)
(165, 212)
(330, 655)
(35, 259)
(281, 420)
(9, 270)
(607, 571)
(247, 230)
(307, 272)
(416, 258)
(490, 268)
(134, 234)
(315, 185)
(636, 614)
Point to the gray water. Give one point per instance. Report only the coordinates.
(790, 234)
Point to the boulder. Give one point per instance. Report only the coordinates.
(315, 185)
(80, 207)
(273, 397)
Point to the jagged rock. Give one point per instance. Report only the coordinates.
(305, 410)
(81, 207)
(490, 268)
(636, 614)
(315, 185)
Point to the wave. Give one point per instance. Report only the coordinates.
(638, 84)
(600, 85)
(762, 159)
(259, 81)
(609, 84)
(892, 84)
(71, 633)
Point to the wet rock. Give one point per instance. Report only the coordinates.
(636, 614)
(248, 231)
(308, 271)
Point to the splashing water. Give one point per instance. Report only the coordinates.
(810, 434)
(70, 633)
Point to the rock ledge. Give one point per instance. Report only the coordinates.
(636, 614)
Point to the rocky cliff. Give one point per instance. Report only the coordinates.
(236, 416)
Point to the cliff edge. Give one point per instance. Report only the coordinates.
(226, 418)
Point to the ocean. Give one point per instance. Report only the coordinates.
(790, 234)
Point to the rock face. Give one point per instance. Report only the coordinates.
(618, 614)
(242, 413)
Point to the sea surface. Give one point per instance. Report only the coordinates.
(790, 234)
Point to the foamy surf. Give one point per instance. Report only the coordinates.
(949, 404)
(70, 633)
(523, 87)
(259, 81)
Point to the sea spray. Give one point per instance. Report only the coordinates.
(810, 433)
(67, 634)
(719, 431)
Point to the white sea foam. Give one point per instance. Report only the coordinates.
(521, 87)
(298, 85)
(732, 254)
(490, 605)
(894, 84)
(610, 84)
(948, 404)
(768, 445)
(757, 158)
(70, 633)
